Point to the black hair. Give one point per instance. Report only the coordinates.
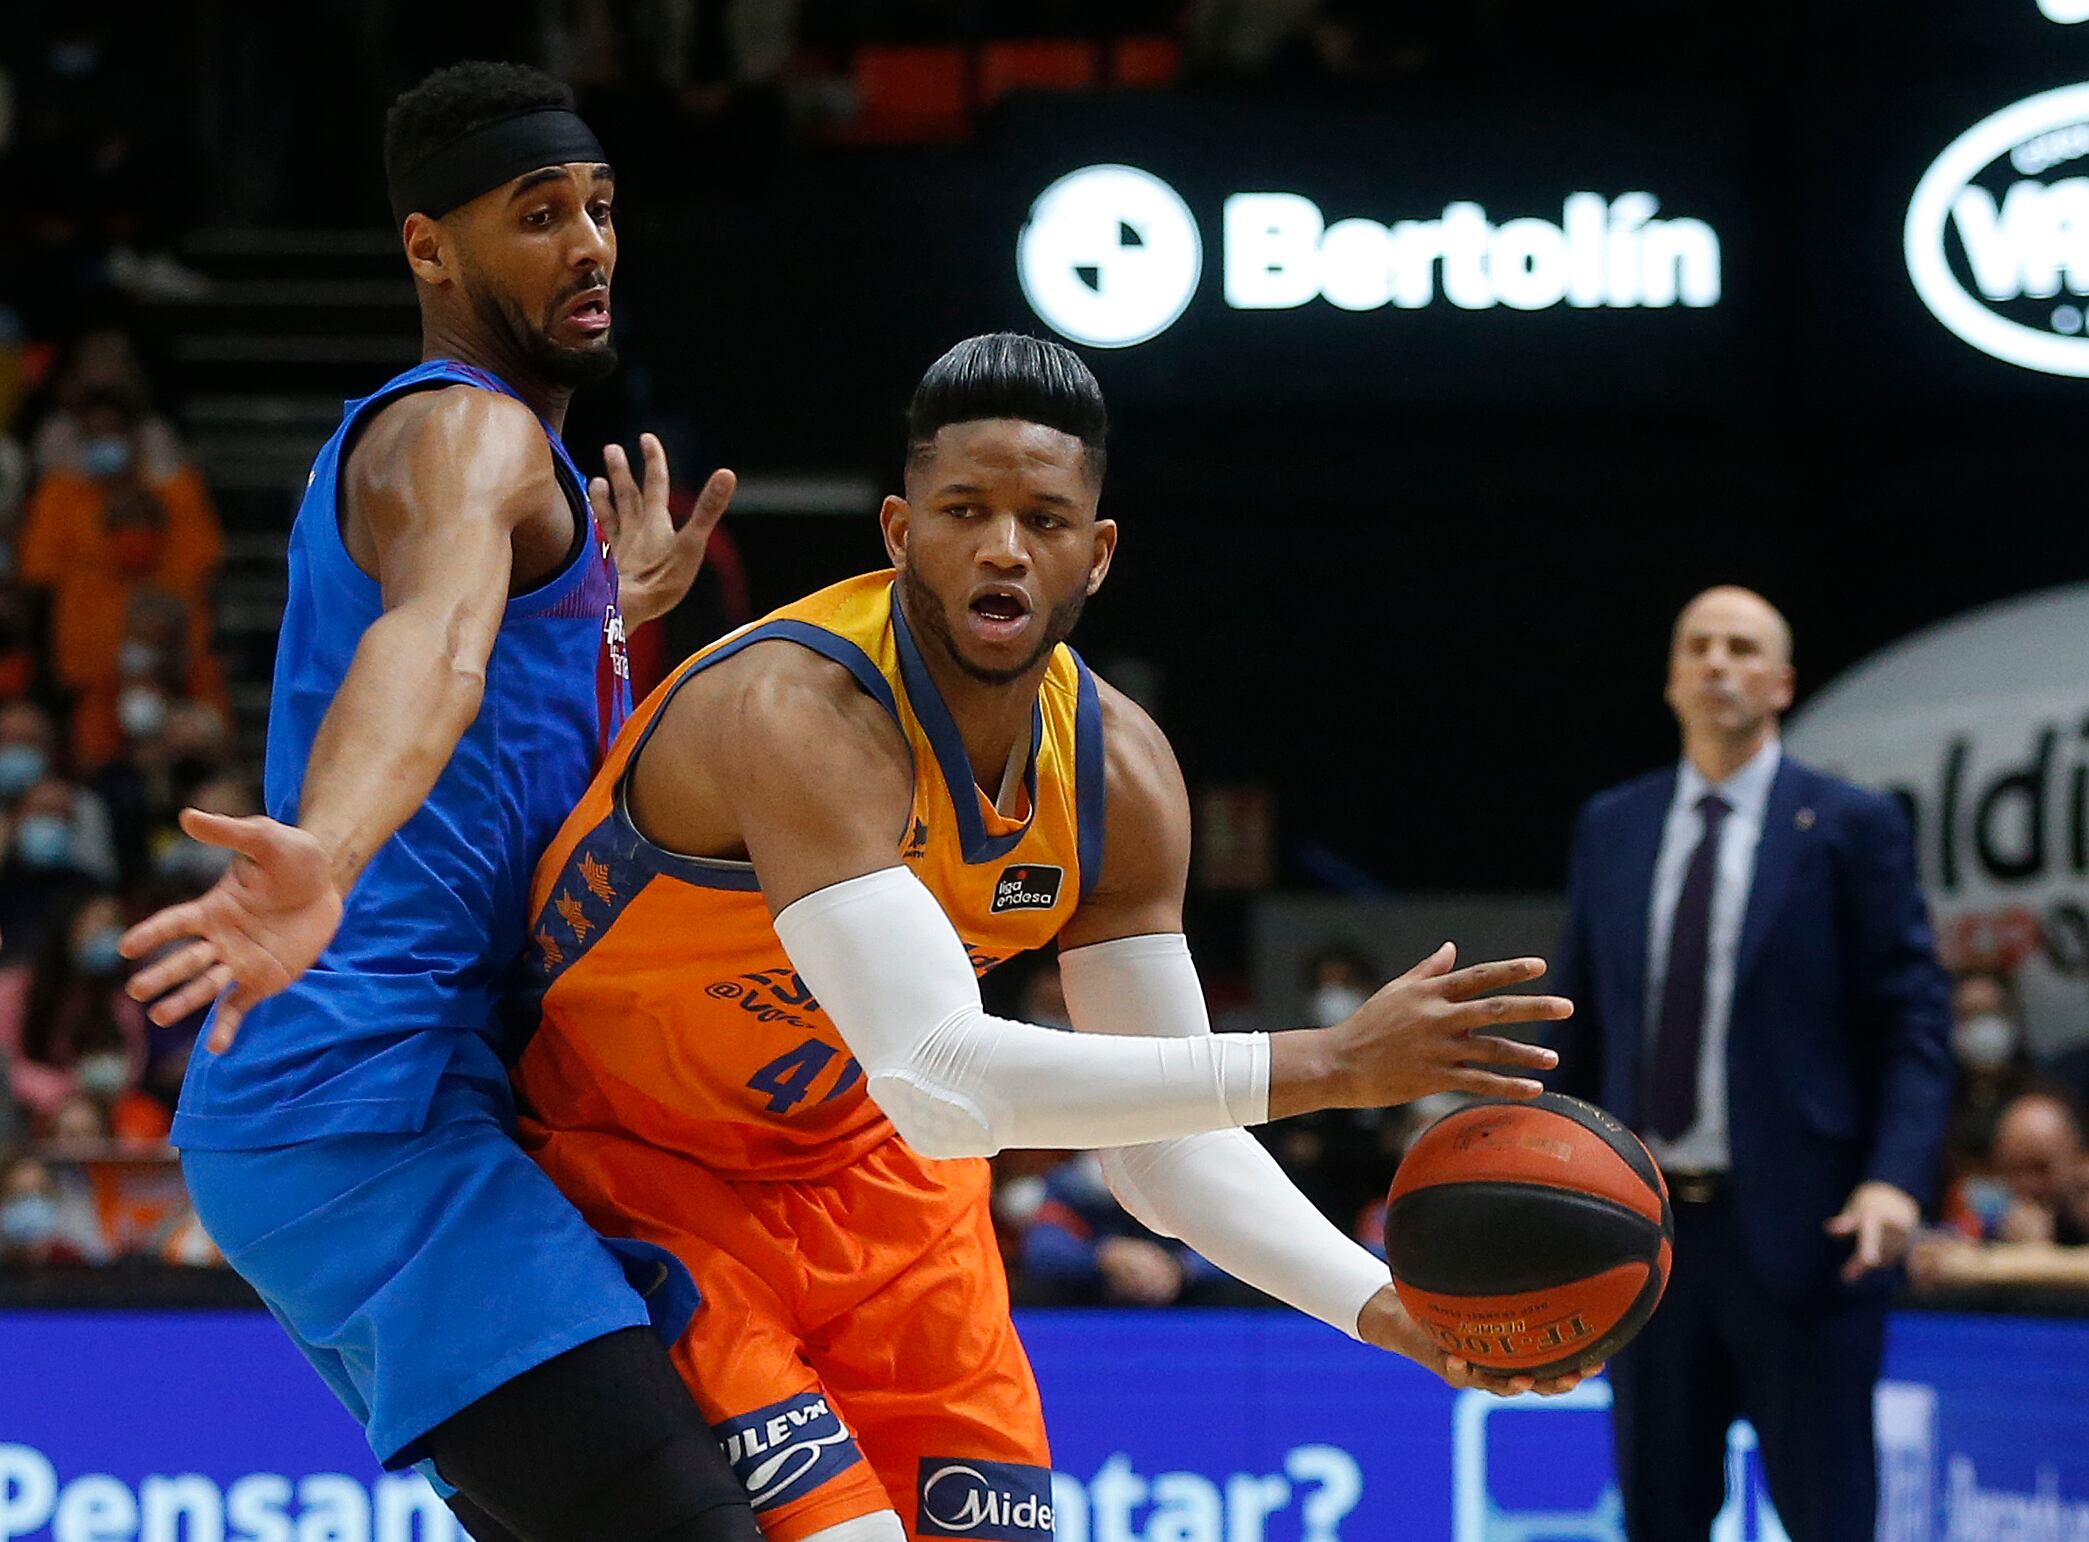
(457, 99)
(1009, 375)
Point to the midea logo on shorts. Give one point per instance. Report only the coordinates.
(2022, 239)
(1112, 256)
(962, 1500)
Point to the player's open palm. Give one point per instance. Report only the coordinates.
(1424, 1033)
(257, 928)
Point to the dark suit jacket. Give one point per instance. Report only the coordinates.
(1838, 1054)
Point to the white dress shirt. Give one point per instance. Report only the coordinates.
(1747, 794)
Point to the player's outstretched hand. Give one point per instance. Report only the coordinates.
(1387, 1324)
(656, 563)
(1421, 1034)
(254, 931)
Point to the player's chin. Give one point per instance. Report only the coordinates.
(579, 363)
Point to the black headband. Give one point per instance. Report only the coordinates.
(482, 159)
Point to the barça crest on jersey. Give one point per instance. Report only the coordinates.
(1027, 886)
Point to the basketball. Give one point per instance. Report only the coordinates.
(1529, 1238)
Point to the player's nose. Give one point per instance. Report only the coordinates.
(592, 247)
(1002, 544)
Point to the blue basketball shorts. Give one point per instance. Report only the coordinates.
(419, 1271)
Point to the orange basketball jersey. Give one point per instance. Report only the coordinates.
(669, 1012)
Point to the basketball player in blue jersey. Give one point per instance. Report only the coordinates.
(449, 670)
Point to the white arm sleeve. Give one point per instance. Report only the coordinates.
(892, 974)
(1219, 1192)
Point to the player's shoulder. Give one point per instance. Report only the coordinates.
(452, 425)
(777, 697)
(450, 412)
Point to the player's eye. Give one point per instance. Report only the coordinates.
(537, 219)
(599, 212)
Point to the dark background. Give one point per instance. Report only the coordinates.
(1412, 571)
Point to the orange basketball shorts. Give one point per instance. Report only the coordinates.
(854, 1350)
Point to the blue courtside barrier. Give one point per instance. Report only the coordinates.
(1167, 1427)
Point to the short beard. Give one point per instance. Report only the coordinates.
(566, 368)
(926, 611)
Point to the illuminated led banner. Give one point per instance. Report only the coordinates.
(1997, 236)
(1359, 256)
(1111, 256)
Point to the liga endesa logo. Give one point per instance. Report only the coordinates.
(1112, 256)
(2019, 232)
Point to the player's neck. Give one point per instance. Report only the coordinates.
(991, 718)
(1719, 756)
(441, 340)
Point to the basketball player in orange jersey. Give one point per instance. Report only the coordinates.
(761, 1042)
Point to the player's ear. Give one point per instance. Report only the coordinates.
(1105, 550)
(426, 250)
(894, 517)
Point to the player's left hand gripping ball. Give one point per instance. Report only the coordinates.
(1385, 1322)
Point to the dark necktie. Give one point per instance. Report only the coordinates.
(1671, 1101)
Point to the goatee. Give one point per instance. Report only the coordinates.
(926, 611)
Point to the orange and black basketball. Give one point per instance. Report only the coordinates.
(1529, 1238)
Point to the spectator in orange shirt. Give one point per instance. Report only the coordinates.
(94, 535)
(157, 665)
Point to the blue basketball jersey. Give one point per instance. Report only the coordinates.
(407, 990)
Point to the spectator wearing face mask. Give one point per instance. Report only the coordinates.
(65, 1021)
(156, 666)
(95, 535)
(44, 1222)
(102, 363)
(1337, 1157)
(1994, 1067)
(57, 849)
(154, 775)
(28, 746)
(1946, 1260)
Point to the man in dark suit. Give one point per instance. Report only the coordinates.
(1756, 993)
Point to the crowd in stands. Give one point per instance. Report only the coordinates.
(113, 716)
